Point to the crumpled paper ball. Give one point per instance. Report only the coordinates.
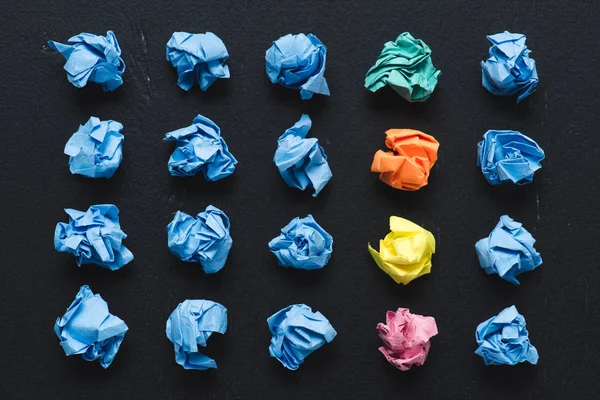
(509, 71)
(508, 156)
(204, 239)
(405, 66)
(190, 325)
(298, 62)
(93, 237)
(89, 329)
(504, 340)
(407, 166)
(303, 244)
(200, 147)
(302, 162)
(92, 58)
(198, 57)
(405, 253)
(406, 337)
(508, 251)
(96, 149)
(298, 331)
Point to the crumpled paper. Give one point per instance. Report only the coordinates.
(96, 149)
(200, 147)
(198, 57)
(405, 66)
(405, 253)
(93, 58)
(89, 329)
(302, 162)
(406, 337)
(503, 339)
(509, 71)
(190, 325)
(204, 239)
(298, 331)
(508, 156)
(298, 62)
(508, 251)
(93, 237)
(303, 244)
(407, 166)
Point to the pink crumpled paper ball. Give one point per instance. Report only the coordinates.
(406, 338)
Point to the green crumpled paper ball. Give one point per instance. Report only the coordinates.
(404, 65)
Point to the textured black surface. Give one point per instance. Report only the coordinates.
(39, 110)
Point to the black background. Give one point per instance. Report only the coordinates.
(39, 110)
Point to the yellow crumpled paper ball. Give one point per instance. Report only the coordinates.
(405, 253)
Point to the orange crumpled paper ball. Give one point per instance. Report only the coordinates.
(407, 166)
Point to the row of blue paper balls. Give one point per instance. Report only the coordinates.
(88, 328)
(298, 62)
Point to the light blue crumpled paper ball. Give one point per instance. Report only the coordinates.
(198, 57)
(297, 332)
(89, 329)
(204, 239)
(508, 251)
(200, 147)
(190, 325)
(508, 156)
(298, 62)
(302, 162)
(96, 149)
(92, 58)
(93, 237)
(303, 244)
(509, 71)
(504, 340)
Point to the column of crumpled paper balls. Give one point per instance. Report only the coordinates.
(405, 253)
(407, 166)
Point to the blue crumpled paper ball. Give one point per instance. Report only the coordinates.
(204, 239)
(298, 62)
(298, 331)
(302, 162)
(200, 147)
(504, 340)
(508, 156)
(93, 237)
(303, 244)
(96, 149)
(87, 328)
(198, 57)
(509, 71)
(508, 251)
(190, 325)
(93, 58)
